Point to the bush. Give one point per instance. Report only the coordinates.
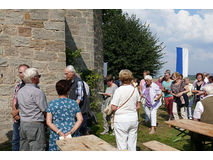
(91, 78)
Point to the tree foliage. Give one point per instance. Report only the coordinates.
(129, 44)
(91, 77)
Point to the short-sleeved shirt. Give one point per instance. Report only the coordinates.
(18, 86)
(128, 111)
(109, 90)
(177, 88)
(200, 88)
(199, 109)
(32, 103)
(142, 83)
(190, 94)
(63, 112)
(167, 86)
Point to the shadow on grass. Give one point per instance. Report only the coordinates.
(94, 129)
(138, 148)
(7, 145)
(164, 116)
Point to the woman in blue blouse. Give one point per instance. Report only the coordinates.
(62, 114)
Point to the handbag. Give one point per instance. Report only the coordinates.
(113, 113)
(108, 110)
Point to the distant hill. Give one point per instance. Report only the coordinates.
(192, 77)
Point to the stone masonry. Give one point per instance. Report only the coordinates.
(39, 38)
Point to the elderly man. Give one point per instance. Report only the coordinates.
(78, 93)
(32, 104)
(204, 112)
(15, 109)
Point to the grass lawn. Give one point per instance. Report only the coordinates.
(163, 134)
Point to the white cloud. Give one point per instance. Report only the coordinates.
(182, 29)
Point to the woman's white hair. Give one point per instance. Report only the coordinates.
(148, 77)
(208, 89)
(71, 68)
(28, 74)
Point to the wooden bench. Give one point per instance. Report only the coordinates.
(193, 126)
(157, 146)
(85, 143)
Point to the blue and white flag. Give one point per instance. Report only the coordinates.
(182, 61)
(105, 69)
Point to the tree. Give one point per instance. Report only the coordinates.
(129, 44)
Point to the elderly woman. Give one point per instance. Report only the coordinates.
(198, 87)
(125, 103)
(142, 83)
(179, 90)
(152, 94)
(61, 115)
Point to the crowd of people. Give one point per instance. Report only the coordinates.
(67, 115)
(175, 91)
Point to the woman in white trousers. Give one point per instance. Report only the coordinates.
(125, 103)
(152, 94)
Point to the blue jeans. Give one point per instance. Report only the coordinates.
(16, 137)
(190, 109)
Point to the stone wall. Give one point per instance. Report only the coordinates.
(33, 37)
(39, 38)
(83, 31)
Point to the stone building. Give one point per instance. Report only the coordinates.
(39, 38)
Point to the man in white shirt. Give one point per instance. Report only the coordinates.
(206, 79)
(207, 101)
(204, 112)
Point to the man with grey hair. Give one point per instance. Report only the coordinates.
(32, 104)
(204, 112)
(78, 93)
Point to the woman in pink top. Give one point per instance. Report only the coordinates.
(159, 82)
(142, 83)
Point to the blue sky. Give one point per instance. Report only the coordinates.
(189, 28)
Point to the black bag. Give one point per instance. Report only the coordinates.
(92, 119)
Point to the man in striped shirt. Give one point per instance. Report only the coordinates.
(15, 109)
(78, 93)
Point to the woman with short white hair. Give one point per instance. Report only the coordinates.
(152, 94)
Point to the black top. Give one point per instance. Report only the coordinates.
(84, 104)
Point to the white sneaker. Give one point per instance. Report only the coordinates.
(112, 134)
(104, 132)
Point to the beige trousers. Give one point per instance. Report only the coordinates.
(183, 111)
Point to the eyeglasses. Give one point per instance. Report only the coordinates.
(39, 76)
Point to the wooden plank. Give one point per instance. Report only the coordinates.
(157, 146)
(84, 143)
(194, 126)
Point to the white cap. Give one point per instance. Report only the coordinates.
(148, 77)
